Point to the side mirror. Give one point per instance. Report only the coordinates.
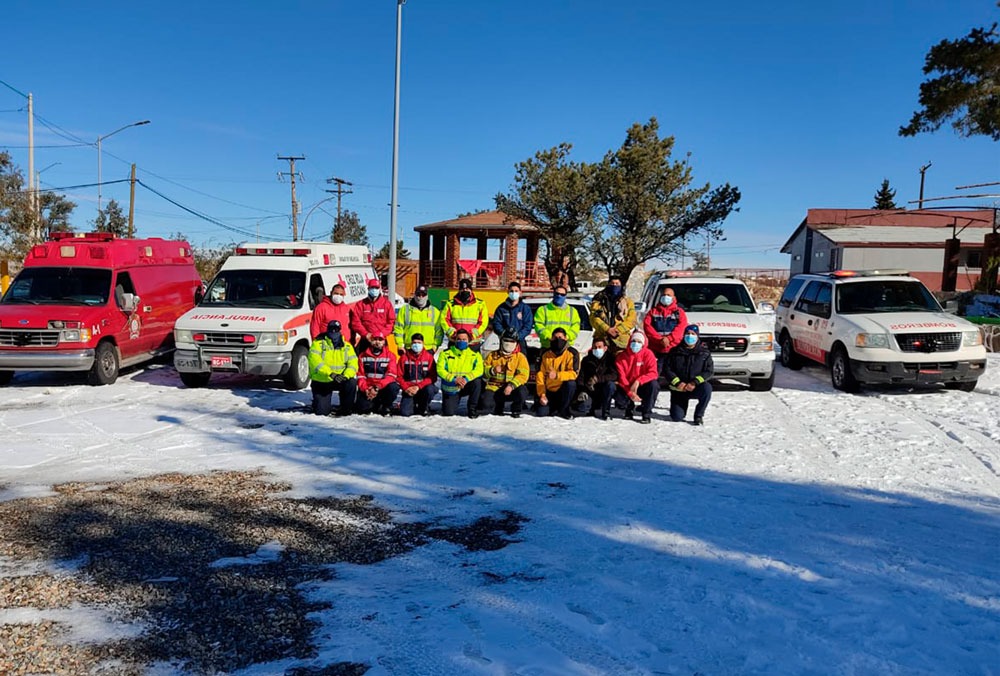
(764, 307)
(130, 302)
(199, 295)
(640, 307)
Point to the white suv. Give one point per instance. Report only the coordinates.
(739, 334)
(874, 327)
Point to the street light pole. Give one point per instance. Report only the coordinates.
(395, 157)
(101, 138)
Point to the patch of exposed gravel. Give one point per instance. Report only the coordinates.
(207, 566)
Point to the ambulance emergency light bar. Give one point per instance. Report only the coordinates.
(888, 272)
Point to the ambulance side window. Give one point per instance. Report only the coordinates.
(123, 285)
(316, 289)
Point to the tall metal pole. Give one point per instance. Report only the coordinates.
(923, 170)
(101, 138)
(395, 156)
(32, 187)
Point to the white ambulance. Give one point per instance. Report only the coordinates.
(254, 317)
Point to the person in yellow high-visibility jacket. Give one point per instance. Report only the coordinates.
(557, 315)
(465, 311)
(461, 373)
(418, 316)
(333, 367)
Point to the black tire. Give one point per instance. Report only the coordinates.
(5, 377)
(790, 359)
(194, 380)
(840, 372)
(965, 386)
(298, 373)
(762, 384)
(106, 365)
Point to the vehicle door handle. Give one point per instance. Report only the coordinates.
(810, 322)
(147, 308)
(791, 316)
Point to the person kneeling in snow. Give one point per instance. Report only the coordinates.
(555, 383)
(506, 375)
(638, 377)
(333, 367)
(417, 375)
(597, 379)
(461, 372)
(377, 386)
(688, 369)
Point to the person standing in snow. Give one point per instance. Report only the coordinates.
(664, 326)
(417, 375)
(506, 374)
(333, 367)
(377, 376)
(555, 383)
(514, 315)
(461, 372)
(329, 308)
(557, 314)
(612, 314)
(596, 382)
(418, 316)
(688, 370)
(465, 311)
(372, 315)
(638, 378)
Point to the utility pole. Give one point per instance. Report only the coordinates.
(131, 203)
(36, 229)
(340, 191)
(295, 204)
(395, 155)
(923, 170)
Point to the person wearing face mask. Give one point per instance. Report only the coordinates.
(418, 316)
(465, 311)
(333, 367)
(598, 375)
(555, 383)
(417, 377)
(372, 315)
(612, 314)
(461, 372)
(506, 374)
(638, 379)
(664, 326)
(377, 378)
(688, 370)
(557, 314)
(513, 315)
(329, 308)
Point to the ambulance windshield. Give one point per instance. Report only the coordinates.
(257, 288)
(60, 286)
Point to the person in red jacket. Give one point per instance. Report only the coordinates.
(664, 326)
(378, 374)
(638, 377)
(417, 377)
(371, 316)
(330, 308)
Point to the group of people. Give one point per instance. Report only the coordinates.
(370, 354)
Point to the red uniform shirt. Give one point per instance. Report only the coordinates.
(373, 316)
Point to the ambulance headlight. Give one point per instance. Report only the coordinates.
(762, 342)
(871, 340)
(183, 336)
(74, 336)
(273, 338)
(972, 338)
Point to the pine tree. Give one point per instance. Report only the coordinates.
(401, 253)
(348, 229)
(111, 219)
(884, 198)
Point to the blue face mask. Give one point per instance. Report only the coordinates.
(597, 352)
(690, 339)
(417, 348)
(666, 300)
(559, 300)
(514, 296)
(635, 346)
(374, 293)
(615, 291)
(462, 344)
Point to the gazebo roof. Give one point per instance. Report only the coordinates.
(485, 223)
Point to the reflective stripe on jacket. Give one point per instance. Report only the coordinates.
(454, 363)
(416, 369)
(606, 312)
(548, 318)
(473, 317)
(410, 320)
(664, 322)
(376, 370)
(505, 369)
(326, 361)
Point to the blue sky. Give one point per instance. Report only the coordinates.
(796, 103)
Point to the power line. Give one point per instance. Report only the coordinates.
(59, 131)
(58, 145)
(200, 215)
(16, 91)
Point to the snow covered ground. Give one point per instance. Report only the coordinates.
(800, 531)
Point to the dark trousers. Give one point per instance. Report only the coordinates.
(647, 395)
(679, 401)
(601, 397)
(473, 390)
(419, 403)
(493, 401)
(382, 403)
(322, 400)
(661, 359)
(559, 401)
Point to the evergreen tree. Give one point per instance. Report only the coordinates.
(401, 253)
(18, 221)
(348, 229)
(884, 198)
(111, 219)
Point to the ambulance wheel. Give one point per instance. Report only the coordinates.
(5, 377)
(105, 368)
(194, 380)
(965, 386)
(763, 384)
(840, 372)
(789, 358)
(298, 374)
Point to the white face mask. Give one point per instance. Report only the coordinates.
(417, 348)
(514, 295)
(666, 300)
(508, 347)
(336, 299)
(597, 352)
(374, 293)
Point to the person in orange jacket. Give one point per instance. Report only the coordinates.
(664, 326)
(638, 377)
(555, 384)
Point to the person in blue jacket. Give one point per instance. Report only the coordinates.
(515, 315)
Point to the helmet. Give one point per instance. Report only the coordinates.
(509, 334)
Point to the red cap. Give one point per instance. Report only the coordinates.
(374, 284)
(378, 334)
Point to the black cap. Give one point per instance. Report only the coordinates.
(421, 291)
(509, 334)
(333, 327)
(465, 283)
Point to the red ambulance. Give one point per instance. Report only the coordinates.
(91, 302)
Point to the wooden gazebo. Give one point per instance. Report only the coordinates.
(441, 264)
